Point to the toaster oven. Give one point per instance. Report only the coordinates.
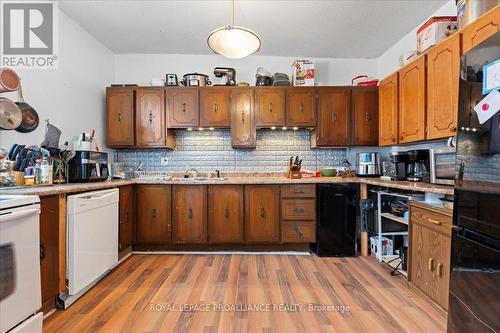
(442, 165)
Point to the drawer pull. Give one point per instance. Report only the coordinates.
(153, 213)
(183, 107)
(301, 107)
(431, 264)
(298, 210)
(436, 222)
(216, 108)
(297, 230)
(119, 117)
(226, 213)
(190, 213)
(271, 107)
(440, 269)
(262, 213)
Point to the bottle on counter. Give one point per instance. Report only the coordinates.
(45, 172)
(37, 172)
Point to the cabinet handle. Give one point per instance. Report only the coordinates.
(126, 214)
(119, 117)
(301, 107)
(150, 117)
(431, 264)
(453, 129)
(393, 138)
(262, 213)
(367, 116)
(183, 107)
(271, 107)
(436, 222)
(297, 230)
(334, 116)
(42, 251)
(243, 116)
(401, 137)
(298, 210)
(226, 213)
(153, 213)
(215, 107)
(440, 269)
(190, 213)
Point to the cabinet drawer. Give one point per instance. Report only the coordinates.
(298, 232)
(298, 209)
(434, 220)
(298, 191)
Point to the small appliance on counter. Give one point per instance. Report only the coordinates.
(225, 75)
(263, 77)
(88, 166)
(395, 168)
(171, 80)
(418, 166)
(442, 165)
(367, 164)
(195, 79)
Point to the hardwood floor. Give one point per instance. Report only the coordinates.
(146, 292)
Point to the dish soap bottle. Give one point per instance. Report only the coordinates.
(45, 172)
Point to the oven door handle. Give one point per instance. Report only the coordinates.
(16, 215)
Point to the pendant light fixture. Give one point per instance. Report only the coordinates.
(233, 42)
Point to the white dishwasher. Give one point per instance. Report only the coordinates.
(92, 238)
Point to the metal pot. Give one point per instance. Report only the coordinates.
(470, 10)
(9, 81)
(195, 79)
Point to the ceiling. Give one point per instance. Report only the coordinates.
(327, 28)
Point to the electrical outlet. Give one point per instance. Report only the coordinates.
(164, 161)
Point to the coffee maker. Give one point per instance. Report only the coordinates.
(418, 166)
(395, 168)
(88, 166)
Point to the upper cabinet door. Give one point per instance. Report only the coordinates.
(215, 107)
(388, 110)
(182, 107)
(150, 117)
(364, 116)
(412, 101)
(481, 29)
(269, 107)
(120, 117)
(443, 71)
(189, 215)
(301, 107)
(334, 106)
(242, 118)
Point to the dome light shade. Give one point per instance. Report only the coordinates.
(233, 42)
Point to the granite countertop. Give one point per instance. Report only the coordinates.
(236, 179)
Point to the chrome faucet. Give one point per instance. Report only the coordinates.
(191, 170)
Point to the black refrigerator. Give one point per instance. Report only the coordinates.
(474, 296)
(337, 215)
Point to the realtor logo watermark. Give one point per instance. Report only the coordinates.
(29, 35)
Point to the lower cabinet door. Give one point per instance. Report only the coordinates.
(153, 214)
(189, 214)
(262, 213)
(439, 277)
(225, 213)
(419, 258)
(127, 215)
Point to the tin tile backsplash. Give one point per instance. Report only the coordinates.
(210, 150)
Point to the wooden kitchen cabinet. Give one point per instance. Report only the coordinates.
(189, 215)
(262, 213)
(119, 117)
(154, 223)
(334, 123)
(301, 107)
(443, 74)
(364, 129)
(479, 30)
(49, 251)
(150, 123)
(388, 93)
(215, 107)
(298, 213)
(412, 101)
(182, 107)
(430, 251)
(126, 216)
(243, 130)
(225, 213)
(269, 107)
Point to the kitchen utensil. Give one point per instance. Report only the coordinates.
(226, 75)
(52, 135)
(9, 81)
(328, 172)
(195, 79)
(10, 115)
(30, 117)
(171, 80)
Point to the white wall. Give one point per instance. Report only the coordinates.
(141, 68)
(72, 96)
(389, 62)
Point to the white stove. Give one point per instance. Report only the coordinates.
(20, 290)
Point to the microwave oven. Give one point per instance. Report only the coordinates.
(442, 165)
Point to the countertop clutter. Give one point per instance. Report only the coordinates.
(241, 179)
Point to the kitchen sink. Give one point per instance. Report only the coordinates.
(190, 179)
